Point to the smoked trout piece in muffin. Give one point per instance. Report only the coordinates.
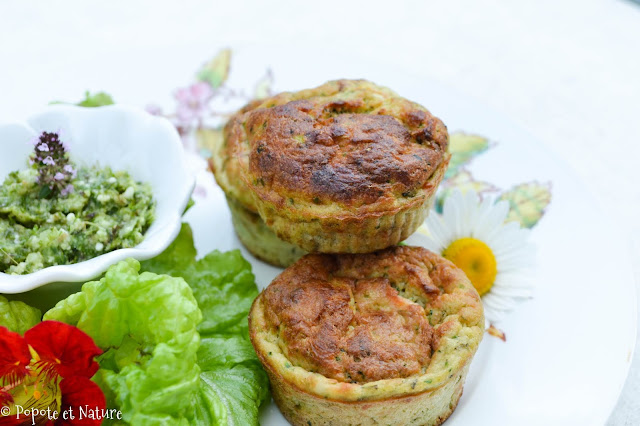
(364, 339)
(347, 167)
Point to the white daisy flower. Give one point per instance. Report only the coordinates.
(496, 256)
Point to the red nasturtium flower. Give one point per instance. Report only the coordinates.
(49, 368)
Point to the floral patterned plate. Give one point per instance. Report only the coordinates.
(563, 353)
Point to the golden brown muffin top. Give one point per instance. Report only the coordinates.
(368, 317)
(348, 141)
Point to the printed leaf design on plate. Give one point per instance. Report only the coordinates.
(496, 332)
(216, 71)
(208, 139)
(463, 181)
(263, 86)
(528, 202)
(464, 147)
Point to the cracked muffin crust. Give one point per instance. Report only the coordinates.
(384, 337)
(348, 166)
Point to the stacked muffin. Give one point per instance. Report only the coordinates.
(347, 171)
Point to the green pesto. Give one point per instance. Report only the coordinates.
(106, 211)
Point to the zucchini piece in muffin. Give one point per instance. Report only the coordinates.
(363, 339)
(347, 167)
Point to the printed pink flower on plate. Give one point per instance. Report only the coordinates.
(192, 101)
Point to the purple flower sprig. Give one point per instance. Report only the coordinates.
(55, 171)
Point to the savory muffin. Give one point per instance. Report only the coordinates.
(259, 239)
(251, 230)
(347, 167)
(360, 339)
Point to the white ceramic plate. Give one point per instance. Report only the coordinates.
(123, 138)
(568, 349)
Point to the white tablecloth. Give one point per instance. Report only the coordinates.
(569, 71)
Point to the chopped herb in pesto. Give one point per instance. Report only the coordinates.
(44, 223)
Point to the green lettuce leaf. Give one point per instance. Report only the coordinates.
(95, 100)
(156, 368)
(146, 324)
(91, 100)
(222, 283)
(179, 256)
(233, 383)
(18, 316)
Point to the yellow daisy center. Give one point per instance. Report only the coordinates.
(476, 259)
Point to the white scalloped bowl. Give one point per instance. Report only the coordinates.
(123, 138)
